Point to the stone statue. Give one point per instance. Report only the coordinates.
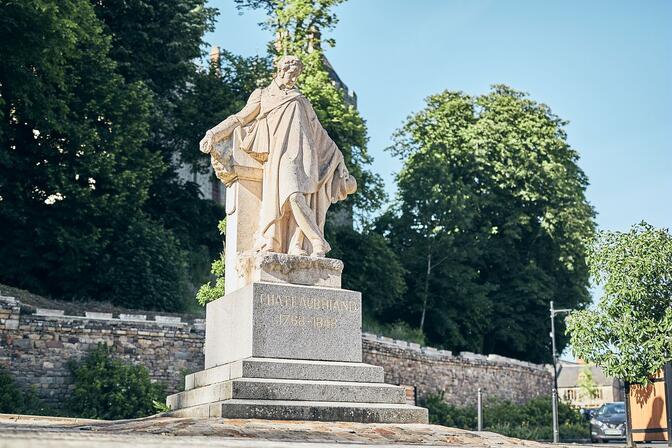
(302, 169)
(284, 323)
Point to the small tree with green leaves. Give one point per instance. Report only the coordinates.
(588, 388)
(209, 292)
(629, 332)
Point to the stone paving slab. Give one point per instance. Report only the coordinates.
(166, 432)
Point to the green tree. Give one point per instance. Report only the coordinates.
(372, 268)
(110, 389)
(588, 388)
(74, 169)
(629, 332)
(489, 222)
(159, 44)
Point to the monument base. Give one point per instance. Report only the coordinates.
(282, 351)
(284, 389)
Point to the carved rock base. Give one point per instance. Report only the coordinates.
(294, 269)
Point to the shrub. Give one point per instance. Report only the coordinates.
(532, 420)
(396, 330)
(108, 388)
(14, 400)
(209, 292)
(442, 413)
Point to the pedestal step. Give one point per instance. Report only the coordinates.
(290, 369)
(308, 410)
(284, 390)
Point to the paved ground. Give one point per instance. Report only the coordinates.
(165, 432)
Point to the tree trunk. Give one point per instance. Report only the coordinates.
(426, 291)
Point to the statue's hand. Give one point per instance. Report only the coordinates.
(207, 143)
(349, 183)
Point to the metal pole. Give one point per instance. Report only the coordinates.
(480, 410)
(556, 430)
(554, 404)
(555, 357)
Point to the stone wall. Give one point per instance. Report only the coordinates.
(457, 376)
(36, 345)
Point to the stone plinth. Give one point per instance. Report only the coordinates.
(284, 321)
(275, 349)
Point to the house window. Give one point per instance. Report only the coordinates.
(570, 395)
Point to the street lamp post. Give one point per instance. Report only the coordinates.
(556, 428)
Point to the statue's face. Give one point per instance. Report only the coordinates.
(289, 73)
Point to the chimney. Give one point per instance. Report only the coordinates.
(314, 39)
(215, 62)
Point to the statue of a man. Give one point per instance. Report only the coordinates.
(303, 169)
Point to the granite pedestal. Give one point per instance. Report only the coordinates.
(290, 352)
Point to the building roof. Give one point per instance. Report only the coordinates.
(568, 375)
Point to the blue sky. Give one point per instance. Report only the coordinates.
(606, 66)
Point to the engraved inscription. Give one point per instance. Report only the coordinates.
(309, 303)
(299, 320)
(290, 308)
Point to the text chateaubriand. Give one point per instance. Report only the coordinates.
(309, 303)
(298, 303)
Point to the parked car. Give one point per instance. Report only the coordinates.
(608, 422)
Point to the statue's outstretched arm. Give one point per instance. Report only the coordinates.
(224, 129)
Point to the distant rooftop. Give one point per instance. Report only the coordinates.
(350, 95)
(568, 375)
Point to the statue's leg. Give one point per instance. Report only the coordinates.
(296, 237)
(264, 244)
(296, 243)
(305, 218)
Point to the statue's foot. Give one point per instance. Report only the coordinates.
(297, 251)
(320, 248)
(264, 245)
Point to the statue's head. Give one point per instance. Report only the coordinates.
(289, 69)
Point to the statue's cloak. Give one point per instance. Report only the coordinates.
(299, 157)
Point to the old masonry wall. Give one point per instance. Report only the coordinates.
(37, 344)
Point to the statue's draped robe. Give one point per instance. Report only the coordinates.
(299, 157)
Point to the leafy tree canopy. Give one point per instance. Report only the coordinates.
(489, 222)
(629, 332)
(74, 170)
(158, 43)
(372, 268)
